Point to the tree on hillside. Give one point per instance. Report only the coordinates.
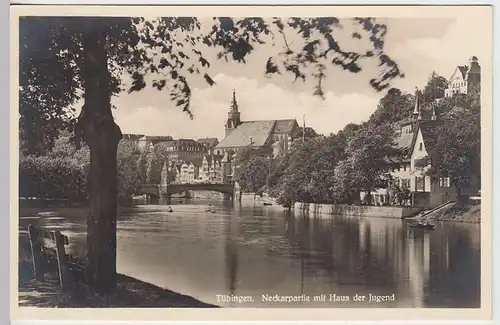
(346, 188)
(306, 133)
(365, 167)
(460, 102)
(304, 173)
(252, 174)
(324, 159)
(349, 130)
(290, 179)
(393, 107)
(61, 57)
(244, 154)
(457, 153)
(435, 87)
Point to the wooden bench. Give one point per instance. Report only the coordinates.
(45, 242)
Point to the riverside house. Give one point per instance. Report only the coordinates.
(416, 138)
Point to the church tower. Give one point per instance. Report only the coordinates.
(473, 73)
(417, 114)
(233, 116)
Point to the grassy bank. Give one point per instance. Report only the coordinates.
(131, 292)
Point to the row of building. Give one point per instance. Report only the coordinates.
(211, 161)
(213, 169)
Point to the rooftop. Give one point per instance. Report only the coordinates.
(463, 70)
(209, 142)
(247, 133)
(285, 126)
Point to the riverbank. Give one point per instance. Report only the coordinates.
(131, 292)
(456, 212)
(356, 210)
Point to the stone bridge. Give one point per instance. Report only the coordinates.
(165, 190)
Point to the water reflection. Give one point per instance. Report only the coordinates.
(254, 250)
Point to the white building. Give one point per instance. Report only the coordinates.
(464, 78)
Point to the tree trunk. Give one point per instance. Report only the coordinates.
(459, 193)
(102, 135)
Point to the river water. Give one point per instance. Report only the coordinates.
(211, 250)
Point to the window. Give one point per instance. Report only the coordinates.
(444, 182)
(420, 146)
(404, 167)
(419, 184)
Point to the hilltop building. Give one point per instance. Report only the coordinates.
(146, 142)
(183, 150)
(464, 78)
(273, 135)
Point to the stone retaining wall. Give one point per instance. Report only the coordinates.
(356, 210)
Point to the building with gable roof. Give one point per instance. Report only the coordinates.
(464, 78)
(273, 135)
(417, 140)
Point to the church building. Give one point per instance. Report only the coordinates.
(274, 135)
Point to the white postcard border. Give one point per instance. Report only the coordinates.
(248, 314)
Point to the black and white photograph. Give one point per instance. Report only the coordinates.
(219, 157)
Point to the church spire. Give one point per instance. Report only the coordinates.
(416, 111)
(233, 116)
(234, 103)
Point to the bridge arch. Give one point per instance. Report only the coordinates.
(166, 190)
(170, 189)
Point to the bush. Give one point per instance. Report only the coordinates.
(52, 178)
(62, 174)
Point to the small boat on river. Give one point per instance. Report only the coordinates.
(421, 225)
(267, 203)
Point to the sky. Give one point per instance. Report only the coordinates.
(419, 46)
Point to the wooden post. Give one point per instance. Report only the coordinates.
(36, 252)
(62, 261)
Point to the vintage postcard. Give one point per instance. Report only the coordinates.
(251, 163)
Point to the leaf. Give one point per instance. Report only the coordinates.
(356, 35)
(138, 82)
(204, 62)
(159, 84)
(271, 67)
(164, 63)
(208, 79)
